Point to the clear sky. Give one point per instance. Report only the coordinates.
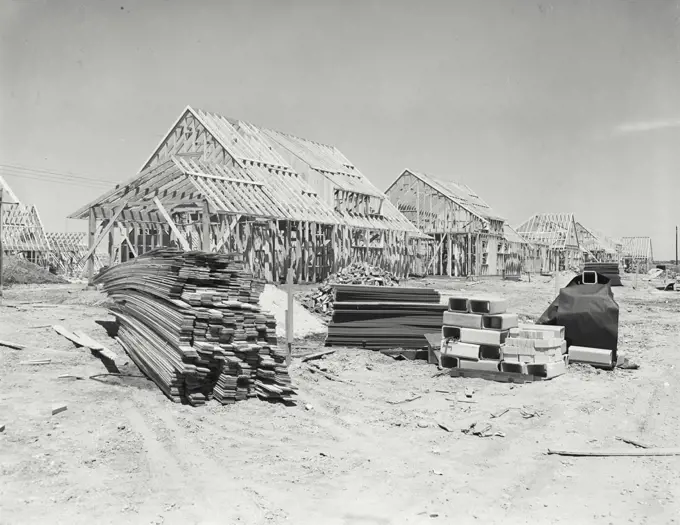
(562, 106)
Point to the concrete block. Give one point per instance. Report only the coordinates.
(488, 305)
(593, 356)
(531, 334)
(515, 367)
(459, 304)
(548, 357)
(492, 352)
(448, 361)
(452, 332)
(483, 337)
(544, 344)
(487, 365)
(522, 345)
(499, 321)
(461, 350)
(547, 370)
(564, 347)
(462, 320)
(557, 331)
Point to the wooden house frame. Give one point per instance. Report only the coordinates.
(22, 229)
(468, 237)
(597, 247)
(557, 235)
(637, 254)
(222, 184)
(67, 251)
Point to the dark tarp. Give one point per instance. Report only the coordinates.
(588, 312)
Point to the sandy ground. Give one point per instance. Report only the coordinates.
(123, 453)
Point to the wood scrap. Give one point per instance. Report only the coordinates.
(317, 355)
(407, 400)
(36, 362)
(327, 375)
(57, 409)
(2, 427)
(633, 442)
(14, 346)
(499, 414)
(618, 453)
(69, 376)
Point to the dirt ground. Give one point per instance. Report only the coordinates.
(346, 454)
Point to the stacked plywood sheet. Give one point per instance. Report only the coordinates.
(379, 318)
(191, 322)
(479, 335)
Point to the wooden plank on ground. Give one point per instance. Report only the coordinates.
(14, 346)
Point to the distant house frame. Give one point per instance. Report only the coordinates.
(469, 238)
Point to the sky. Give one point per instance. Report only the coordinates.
(562, 106)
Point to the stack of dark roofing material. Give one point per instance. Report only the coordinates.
(377, 317)
(608, 270)
(191, 323)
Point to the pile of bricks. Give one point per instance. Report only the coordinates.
(479, 334)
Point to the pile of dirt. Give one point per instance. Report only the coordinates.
(17, 270)
(275, 301)
(320, 301)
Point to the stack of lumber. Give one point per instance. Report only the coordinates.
(377, 317)
(320, 301)
(191, 323)
(608, 270)
(480, 337)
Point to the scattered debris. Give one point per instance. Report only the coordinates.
(2, 427)
(437, 472)
(317, 355)
(528, 413)
(407, 400)
(499, 414)
(14, 346)
(57, 409)
(469, 391)
(632, 442)
(36, 362)
(309, 407)
(423, 424)
(617, 453)
(317, 370)
(69, 376)
(482, 430)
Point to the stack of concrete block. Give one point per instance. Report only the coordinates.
(537, 350)
(474, 331)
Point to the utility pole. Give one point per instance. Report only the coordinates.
(2, 247)
(676, 248)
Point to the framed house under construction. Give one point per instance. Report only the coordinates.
(221, 184)
(22, 230)
(67, 253)
(597, 247)
(557, 238)
(637, 254)
(469, 238)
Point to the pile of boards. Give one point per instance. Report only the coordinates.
(379, 317)
(320, 301)
(191, 323)
(608, 270)
(478, 335)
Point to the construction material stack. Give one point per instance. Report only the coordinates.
(478, 334)
(379, 317)
(535, 350)
(474, 331)
(191, 323)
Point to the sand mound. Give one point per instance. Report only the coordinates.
(17, 270)
(305, 323)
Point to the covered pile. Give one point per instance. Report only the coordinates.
(190, 321)
(320, 300)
